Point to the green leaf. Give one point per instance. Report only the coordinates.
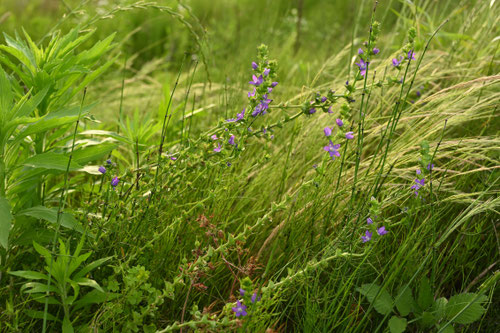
(94, 152)
(39, 315)
(5, 221)
(397, 325)
(30, 275)
(404, 301)
(90, 267)
(379, 298)
(94, 297)
(6, 97)
(89, 283)
(428, 319)
(425, 298)
(51, 161)
(439, 308)
(66, 326)
(37, 287)
(50, 215)
(465, 308)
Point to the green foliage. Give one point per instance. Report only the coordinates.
(464, 308)
(69, 275)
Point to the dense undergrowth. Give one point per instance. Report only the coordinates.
(162, 172)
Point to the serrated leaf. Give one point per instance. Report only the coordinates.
(425, 298)
(397, 325)
(379, 298)
(439, 308)
(465, 308)
(5, 222)
(404, 301)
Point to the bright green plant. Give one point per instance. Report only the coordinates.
(35, 115)
(426, 312)
(68, 276)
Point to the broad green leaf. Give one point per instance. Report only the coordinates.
(94, 297)
(425, 298)
(5, 221)
(439, 307)
(465, 308)
(428, 319)
(50, 215)
(93, 265)
(51, 161)
(397, 325)
(379, 298)
(6, 97)
(39, 314)
(404, 301)
(30, 275)
(92, 153)
(37, 287)
(66, 326)
(89, 283)
(53, 120)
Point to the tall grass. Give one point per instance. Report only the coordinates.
(184, 230)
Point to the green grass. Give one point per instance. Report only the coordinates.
(177, 239)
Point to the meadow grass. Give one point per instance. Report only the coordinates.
(169, 246)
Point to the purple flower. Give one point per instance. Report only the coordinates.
(349, 135)
(315, 166)
(375, 50)
(381, 231)
(395, 62)
(239, 116)
(411, 55)
(255, 298)
(311, 111)
(108, 161)
(228, 164)
(239, 309)
(362, 66)
(418, 172)
(254, 65)
(332, 149)
(274, 84)
(330, 109)
(242, 292)
(360, 51)
(339, 122)
(266, 71)
(102, 169)
(115, 181)
(328, 131)
(218, 148)
(269, 90)
(213, 137)
(231, 140)
(418, 184)
(367, 237)
(347, 82)
(251, 94)
(419, 93)
(323, 99)
(430, 167)
(173, 158)
(257, 81)
(369, 220)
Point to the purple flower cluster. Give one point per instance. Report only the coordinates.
(368, 234)
(419, 183)
(396, 62)
(240, 310)
(263, 86)
(331, 148)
